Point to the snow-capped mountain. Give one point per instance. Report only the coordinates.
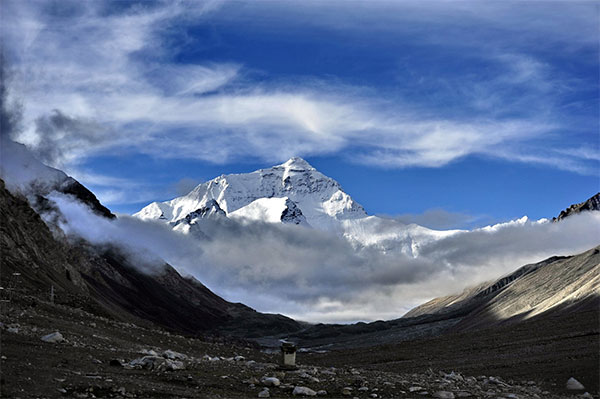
(291, 193)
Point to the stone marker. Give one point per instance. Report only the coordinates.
(288, 355)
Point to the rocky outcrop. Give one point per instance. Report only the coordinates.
(76, 189)
(592, 204)
(292, 214)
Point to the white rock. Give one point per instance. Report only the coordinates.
(443, 395)
(264, 393)
(303, 391)
(157, 363)
(147, 362)
(174, 365)
(322, 392)
(55, 337)
(270, 381)
(169, 354)
(574, 385)
(415, 388)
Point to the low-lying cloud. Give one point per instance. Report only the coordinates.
(441, 219)
(318, 276)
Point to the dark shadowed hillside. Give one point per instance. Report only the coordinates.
(106, 281)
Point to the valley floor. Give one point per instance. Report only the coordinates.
(529, 361)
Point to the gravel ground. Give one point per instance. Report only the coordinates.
(95, 360)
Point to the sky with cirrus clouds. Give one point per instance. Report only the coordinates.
(487, 110)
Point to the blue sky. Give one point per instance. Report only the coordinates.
(451, 114)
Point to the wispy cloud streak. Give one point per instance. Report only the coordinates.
(95, 81)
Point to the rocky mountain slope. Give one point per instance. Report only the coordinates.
(553, 284)
(592, 204)
(106, 281)
(558, 285)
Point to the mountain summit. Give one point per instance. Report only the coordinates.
(292, 192)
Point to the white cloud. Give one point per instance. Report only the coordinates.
(317, 276)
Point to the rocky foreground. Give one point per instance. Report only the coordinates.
(53, 351)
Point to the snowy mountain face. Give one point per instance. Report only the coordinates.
(291, 193)
(23, 174)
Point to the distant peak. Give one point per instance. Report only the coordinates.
(296, 163)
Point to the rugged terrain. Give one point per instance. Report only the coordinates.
(118, 329)
(97, 358)
(80, 320)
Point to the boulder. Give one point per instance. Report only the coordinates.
(443, 395)
(169, 354)
(574, 385)
(53, 338)
(157, 363)
(270, 381)
(303, 391)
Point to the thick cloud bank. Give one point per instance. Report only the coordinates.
(318, 276)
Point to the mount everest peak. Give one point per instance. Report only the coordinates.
(292, 192)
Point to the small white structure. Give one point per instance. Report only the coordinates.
(288, 355)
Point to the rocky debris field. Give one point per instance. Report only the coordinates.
(53, 351)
